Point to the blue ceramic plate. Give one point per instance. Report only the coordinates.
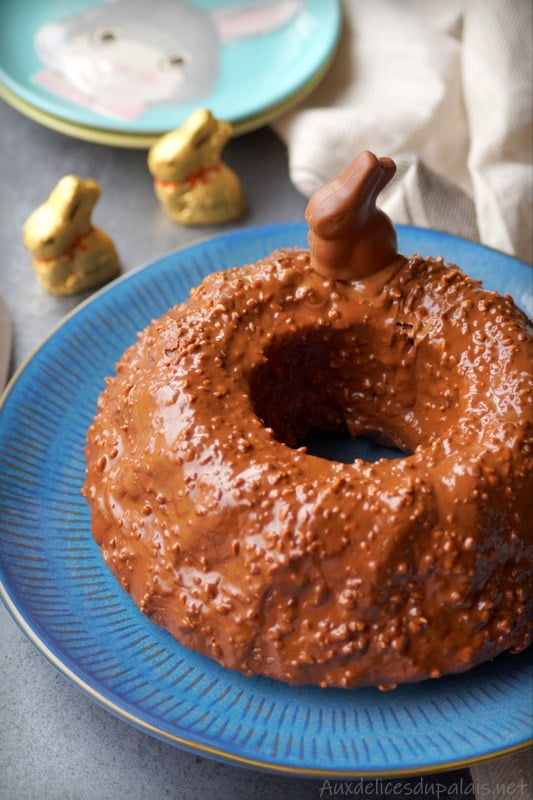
(58, 589)
(106, 65)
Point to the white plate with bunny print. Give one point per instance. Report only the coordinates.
(136, 68)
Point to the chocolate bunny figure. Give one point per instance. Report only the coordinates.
(349, 238)
(69, 254)
(192, 183)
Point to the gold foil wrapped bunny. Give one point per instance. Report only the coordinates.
(192, 183)
(68, 252)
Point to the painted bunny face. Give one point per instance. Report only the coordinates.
(130, 50)
(122, 56)
(110, 64)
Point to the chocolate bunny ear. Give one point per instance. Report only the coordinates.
(71, 193)
(205, 131)
(349, 237)
(349, 198)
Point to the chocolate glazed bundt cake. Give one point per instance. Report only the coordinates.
(226, 531)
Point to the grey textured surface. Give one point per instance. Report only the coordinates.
(55, 743)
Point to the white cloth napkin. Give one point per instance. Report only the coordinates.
(444, 88)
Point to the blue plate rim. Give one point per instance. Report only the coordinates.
(127, 712)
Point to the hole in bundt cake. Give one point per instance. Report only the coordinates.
(336, 394)
(345, 448)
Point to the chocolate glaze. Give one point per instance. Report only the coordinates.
(349, 238)
(276, 562)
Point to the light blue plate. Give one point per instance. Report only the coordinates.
(57, 588)
(233, 58)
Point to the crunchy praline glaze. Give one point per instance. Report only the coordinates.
(276, 562)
